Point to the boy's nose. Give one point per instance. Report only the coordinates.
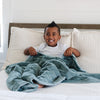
(50, 36)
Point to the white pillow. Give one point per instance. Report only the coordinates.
(87, 42)
(21, 38)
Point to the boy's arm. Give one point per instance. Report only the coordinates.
(30, 51)
(71, 51)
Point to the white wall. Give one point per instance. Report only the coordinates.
(45, 11)
(62, 11)
(6, 19)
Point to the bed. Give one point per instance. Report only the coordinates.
(86, 35)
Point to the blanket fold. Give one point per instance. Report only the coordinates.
(46, 70)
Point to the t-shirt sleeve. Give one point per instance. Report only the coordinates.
(40, 47)
(64, 47)
(36, 48)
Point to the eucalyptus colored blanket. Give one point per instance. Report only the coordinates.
(46, 70)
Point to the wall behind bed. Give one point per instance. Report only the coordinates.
(44, 11)
(62, 11)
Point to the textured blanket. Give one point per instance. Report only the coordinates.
(46, 70)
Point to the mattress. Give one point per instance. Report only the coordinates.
(63, 91)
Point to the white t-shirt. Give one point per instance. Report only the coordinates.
(56, 51)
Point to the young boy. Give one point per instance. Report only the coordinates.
(52, 47)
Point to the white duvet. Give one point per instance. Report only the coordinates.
(63, 91)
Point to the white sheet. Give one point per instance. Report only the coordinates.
(63, 91)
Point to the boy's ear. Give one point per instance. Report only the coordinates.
(59, 37)
(44, 36)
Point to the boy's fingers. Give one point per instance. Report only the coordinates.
(69, 53)
(33, 53)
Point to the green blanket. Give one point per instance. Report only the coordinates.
(46, 70)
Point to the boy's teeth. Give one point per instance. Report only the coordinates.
(50, 40)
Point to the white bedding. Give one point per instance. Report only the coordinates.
(63, 91)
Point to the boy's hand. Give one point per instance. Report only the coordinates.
(68, 52)
(32, 51)
(26, 52)
(71, 51)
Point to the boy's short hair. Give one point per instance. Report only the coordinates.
(52, 24)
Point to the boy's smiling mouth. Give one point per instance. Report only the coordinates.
(50, 41)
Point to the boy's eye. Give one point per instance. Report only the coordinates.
(47, 34)
(54, 34)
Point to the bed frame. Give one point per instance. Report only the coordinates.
(42, 25)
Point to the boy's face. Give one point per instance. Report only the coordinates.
(52, 36)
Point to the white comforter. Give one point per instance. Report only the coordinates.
(63, 91)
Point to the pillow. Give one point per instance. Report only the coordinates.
(22, 38)
(87, 42)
